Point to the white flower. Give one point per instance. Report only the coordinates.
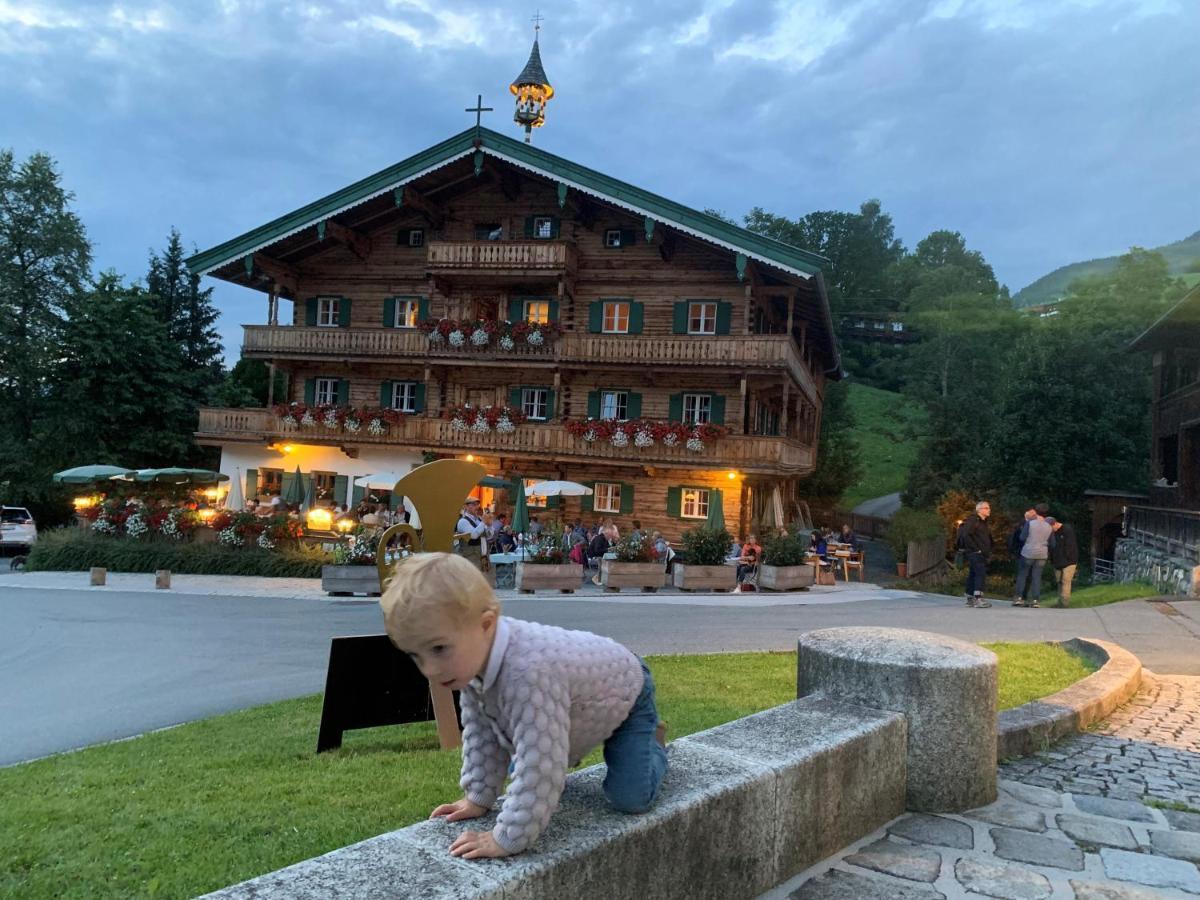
(643, 439)
(695, 444)
(479, 337)
(353, 425)
(535, 339)
(290, 421)
(458, 424)
(135, 526)
(505, 425)
(507, 343)
(104, 525)
(435, 337)
(480, 425)
(620, 439)
(307, 418)
(457, 338)
(589, 435)
(264, 541)
(229, 537)
(670, 439)
(330, 419)
(375, 427)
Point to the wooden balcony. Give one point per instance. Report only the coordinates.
(543, 441)
(517, 259)
(757, 352)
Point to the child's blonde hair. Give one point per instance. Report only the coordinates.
(434, 589)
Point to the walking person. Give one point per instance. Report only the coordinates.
(1064, 556)
(1034, 553)
(975, 540)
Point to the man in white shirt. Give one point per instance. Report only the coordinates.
(471, 525)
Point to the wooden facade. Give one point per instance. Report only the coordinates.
(480, 236)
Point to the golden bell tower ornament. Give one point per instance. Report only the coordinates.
(532, 88)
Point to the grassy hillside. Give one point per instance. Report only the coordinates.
(1052, 286)
(887, 428)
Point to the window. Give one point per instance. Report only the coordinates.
(537, 311)
(328, 309)
(702, 318)
(270, 482)
(612, 237)
(697, 408)
(534, 402)
(616, 317)
(614, 405)
(695, 503)
(897, 326)
(606, 497)
(488, 231)
(878, 326)
(859, 323)
(538, 500)
(404, 396)
(406, 314)
(326, 392)
(411, 237)
(543, 227)
(323, 485)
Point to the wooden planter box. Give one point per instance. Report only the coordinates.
(785, 578)
(565, 577)
(343, 581)
(615, 575)
(704, 578)
(203, 534)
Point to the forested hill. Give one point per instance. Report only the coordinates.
(1179, 255)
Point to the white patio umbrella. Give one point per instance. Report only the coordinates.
(387, 481)
(777, 507)
(557, 489)
(234, 499)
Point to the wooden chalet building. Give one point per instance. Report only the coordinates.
(486, 297)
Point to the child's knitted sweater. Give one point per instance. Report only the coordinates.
(547, 697)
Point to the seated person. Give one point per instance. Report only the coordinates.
(847, 536)
(751, 553)
(265, 510)
(502, 541)
(817, 544)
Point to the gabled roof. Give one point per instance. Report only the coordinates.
(1177, 327)
(716, 231)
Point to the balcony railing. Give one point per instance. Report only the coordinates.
(492, 256)
(758, 351)
(747, 453)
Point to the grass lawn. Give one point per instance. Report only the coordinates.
(1101, 594)
(185, 811)
(884, 424)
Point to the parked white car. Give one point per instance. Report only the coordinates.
(17, 528)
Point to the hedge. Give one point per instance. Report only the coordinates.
(75, 550)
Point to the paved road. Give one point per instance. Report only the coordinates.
(82, 666)
(884, 507)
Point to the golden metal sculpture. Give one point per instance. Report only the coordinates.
(437, 491)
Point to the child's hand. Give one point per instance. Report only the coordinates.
(476, 845)
(459, 810)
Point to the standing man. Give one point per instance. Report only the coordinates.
(1064, 556)
(976, 542)
(471, 525)
(1034, 554)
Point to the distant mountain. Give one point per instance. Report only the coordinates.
(1179, 256)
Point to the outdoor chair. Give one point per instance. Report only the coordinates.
(857, 560)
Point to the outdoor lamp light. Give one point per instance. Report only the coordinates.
(84, 502)
(319, 519)
(470, 457)
(732, 476)
(287, 448)
(344, 525)
(206, 515)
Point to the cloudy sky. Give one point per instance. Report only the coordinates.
(1046, 131)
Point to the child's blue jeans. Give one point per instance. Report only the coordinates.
(636, 761)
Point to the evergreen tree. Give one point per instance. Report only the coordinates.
(189, 316)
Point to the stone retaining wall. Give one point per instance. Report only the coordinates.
(1135, 561)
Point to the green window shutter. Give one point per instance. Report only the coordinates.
(596, 316)
(385, 394)
(675, 501)
(357, 494)
(680, 323)
(340, 484)
(310, 311)
(550, 404)
(389, 312)
(286, 484)
(343, 313)
(516, 311)
(553, 310)
(553, 502)
(628, 237)
(717, 409)
(675, 408)
(395, 501)
(724, 311)
(593, 405)
(626, 498)
(554, 226)
(586, 503)
(310, 391)
(637, 314)
(529, 226)
(419, 399)
(422, 309)
(633, 405)
(343, 391)
(251, 483)
(514, 398)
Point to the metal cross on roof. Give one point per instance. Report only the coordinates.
(537, 20)
(479, 109)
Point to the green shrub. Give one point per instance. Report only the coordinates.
(74, 550)
(781, 550)
(704, 546)
(910, 525)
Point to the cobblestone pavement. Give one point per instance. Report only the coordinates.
(1068, 823)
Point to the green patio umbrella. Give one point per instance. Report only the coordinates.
(520, 519)
(310, 491)
(295, 490)
(89, 474)
(176, 475)
(494, 481)
(716, 511)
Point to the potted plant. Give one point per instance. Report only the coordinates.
(785, 565)
(546, 566)
(634, 566)
(911, 526)
(353, 571)
(704, 552)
